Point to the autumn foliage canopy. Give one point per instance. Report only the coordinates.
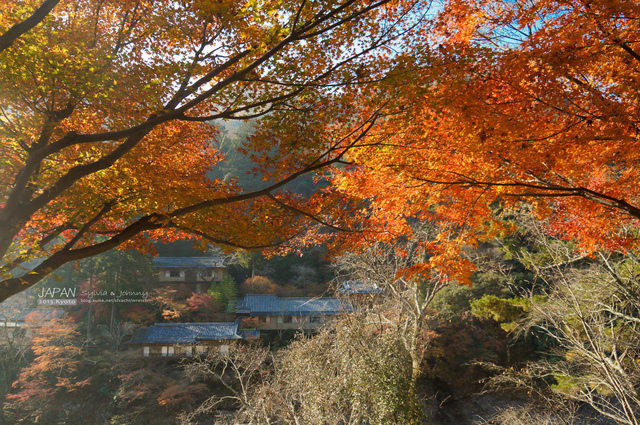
(106, 111)
(510, 105)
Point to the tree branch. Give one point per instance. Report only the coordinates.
(13, 33)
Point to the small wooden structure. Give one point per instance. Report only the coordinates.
(186, 339)
(188, 274)
(270, 312)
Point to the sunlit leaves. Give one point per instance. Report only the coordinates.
(104, 107)
(532, 102)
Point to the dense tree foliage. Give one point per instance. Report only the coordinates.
(504, 103)
(105, 108)
(54, 372)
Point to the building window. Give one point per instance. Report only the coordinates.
(189, 351)
(224, 350)
(174, 273)
(167, 351)
(315, 319)
(145, 351)
(199, 349)
(206, 273)
(287, 319)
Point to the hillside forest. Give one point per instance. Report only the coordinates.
(472, 161)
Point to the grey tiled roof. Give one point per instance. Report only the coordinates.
(188, 262)
(185, 333)
(353, 287)
(274, 305)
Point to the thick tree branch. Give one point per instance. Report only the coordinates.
(221, 80)
(549, 191)
(153, 221)
(15, 214)
(13, 33)
(228, 242)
